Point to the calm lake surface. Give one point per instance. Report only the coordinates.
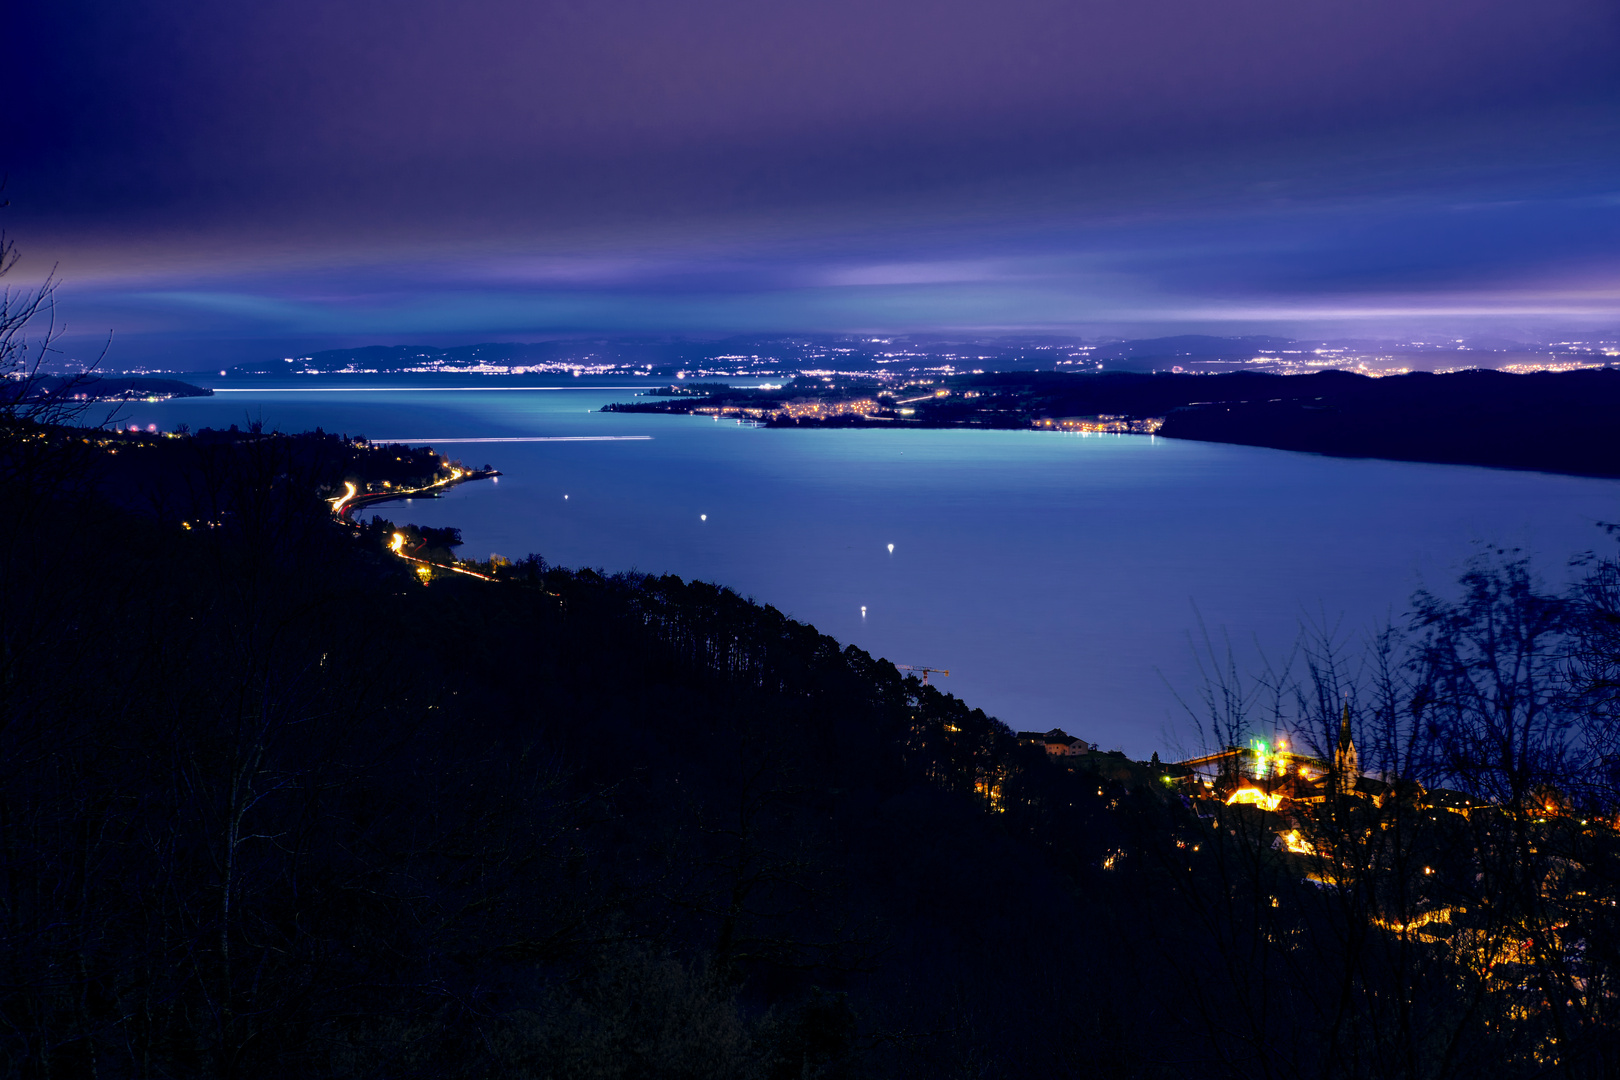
(1063, 579)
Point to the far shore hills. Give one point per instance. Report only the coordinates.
(1565, 422)
(1550, 421)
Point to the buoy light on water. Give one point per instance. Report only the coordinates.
(891, 549)
(863, 611)
(703, 517)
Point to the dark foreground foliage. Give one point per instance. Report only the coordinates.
(271, 807)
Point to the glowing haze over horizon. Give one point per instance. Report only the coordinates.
(220, 181)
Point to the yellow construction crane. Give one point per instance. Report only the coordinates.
(924, 670)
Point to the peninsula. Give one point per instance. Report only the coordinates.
(1550, 421)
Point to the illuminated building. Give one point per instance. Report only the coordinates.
(1346, 762)
(1057, 742)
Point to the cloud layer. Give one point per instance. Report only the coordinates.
(306, 169)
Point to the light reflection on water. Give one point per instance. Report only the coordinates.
(1060, 578)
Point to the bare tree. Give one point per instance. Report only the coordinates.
(1441, 903)
(1596, 674)
(29, 331)
(36, 458)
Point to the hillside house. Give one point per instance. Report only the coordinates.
(1057, 742)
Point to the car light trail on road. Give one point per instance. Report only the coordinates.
(343, 500)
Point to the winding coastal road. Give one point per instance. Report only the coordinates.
(344, 505)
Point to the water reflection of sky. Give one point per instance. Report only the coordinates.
(1059, 577)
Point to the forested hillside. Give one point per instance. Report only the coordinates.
(274, 808)
(271, 807)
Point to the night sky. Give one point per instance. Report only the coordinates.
(222, 180)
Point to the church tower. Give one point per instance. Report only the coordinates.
(1346, 763)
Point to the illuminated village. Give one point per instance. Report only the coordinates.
(1497, 894)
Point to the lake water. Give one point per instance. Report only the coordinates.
(1062, 579)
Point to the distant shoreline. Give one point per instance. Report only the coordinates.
(1555, 422)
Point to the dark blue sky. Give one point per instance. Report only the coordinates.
(214, 179)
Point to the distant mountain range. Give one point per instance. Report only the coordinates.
(1149, 354)
(669, 356)
(787, 354)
